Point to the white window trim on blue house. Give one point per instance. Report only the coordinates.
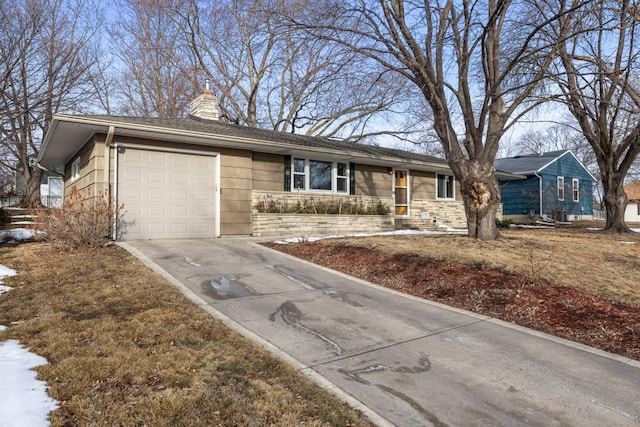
(560, 189)
(575, 185)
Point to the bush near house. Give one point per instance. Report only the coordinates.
(81, 222)
(334, 206)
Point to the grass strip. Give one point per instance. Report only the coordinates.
(126, 348)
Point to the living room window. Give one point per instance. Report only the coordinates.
(445, 187)
(575, 185)
(320, 175)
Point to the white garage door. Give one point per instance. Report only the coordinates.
(166, 195)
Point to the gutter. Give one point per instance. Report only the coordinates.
(49, 170)
(229, 138)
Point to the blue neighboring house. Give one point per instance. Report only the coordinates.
(557, 185)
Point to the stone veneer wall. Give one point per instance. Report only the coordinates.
(282, 224)
(445, 212)
(276, 224)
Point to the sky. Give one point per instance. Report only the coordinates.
(24, 401)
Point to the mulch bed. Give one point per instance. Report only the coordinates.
(558, 310)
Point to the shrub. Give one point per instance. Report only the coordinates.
(81, 222)
(332, 206)
(503, 223)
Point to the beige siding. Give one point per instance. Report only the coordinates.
(268, 172)
(235, 196)
(422, 185)
(374, 181)
(91, 165)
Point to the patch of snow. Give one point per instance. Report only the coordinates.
(23, 398)
(593, 229)
(17, 234)
(627, 243)
(530, 226)
(2, 327)
(5, 272)
(637, 230)
(312, 239)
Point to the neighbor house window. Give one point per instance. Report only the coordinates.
(445, 187)
(320, 175)
(575, 186)
(75, 169)
(561, 188)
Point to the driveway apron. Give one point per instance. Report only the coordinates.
(412, 362)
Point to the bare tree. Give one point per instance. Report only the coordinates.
(476, 64)
(598, 80)
(48, 68)
(268, 75)
(156, 77)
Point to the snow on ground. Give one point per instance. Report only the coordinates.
(24, 401)
(637, 230)
(312, 239)
(16, 234)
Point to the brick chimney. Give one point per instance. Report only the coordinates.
(205, 106)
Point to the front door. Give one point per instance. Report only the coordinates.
(401, 192)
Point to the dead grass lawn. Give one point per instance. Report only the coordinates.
(126, 348)
(605, 264)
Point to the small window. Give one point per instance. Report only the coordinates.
(341, 178)
(575, 185)
(75, 169)
(299, 176)
(561, 188)
(445, 188)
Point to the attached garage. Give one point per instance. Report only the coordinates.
(167, 194)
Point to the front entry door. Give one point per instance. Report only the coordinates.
(401, 192)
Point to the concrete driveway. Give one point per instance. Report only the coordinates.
(410, 362)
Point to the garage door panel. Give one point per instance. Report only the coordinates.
(167, 195)
(179, 178)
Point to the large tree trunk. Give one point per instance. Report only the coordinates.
(481, 196)
(615, 202)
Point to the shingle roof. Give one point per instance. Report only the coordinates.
(225, 129)
(633, 190)
(527, 164)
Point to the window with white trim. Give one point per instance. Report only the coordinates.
(299, 175)
(560, 185)
(75, 169)
(320, 176)
(445, 188)
(575, 186)
(342, 177)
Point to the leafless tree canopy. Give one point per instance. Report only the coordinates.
(45, 60)
(477, 64)
(597, 74)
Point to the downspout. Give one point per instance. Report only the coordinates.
(539, 191)
(115, 193)
(107, 170)
(107, 161)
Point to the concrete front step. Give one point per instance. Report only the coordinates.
(12, 218)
